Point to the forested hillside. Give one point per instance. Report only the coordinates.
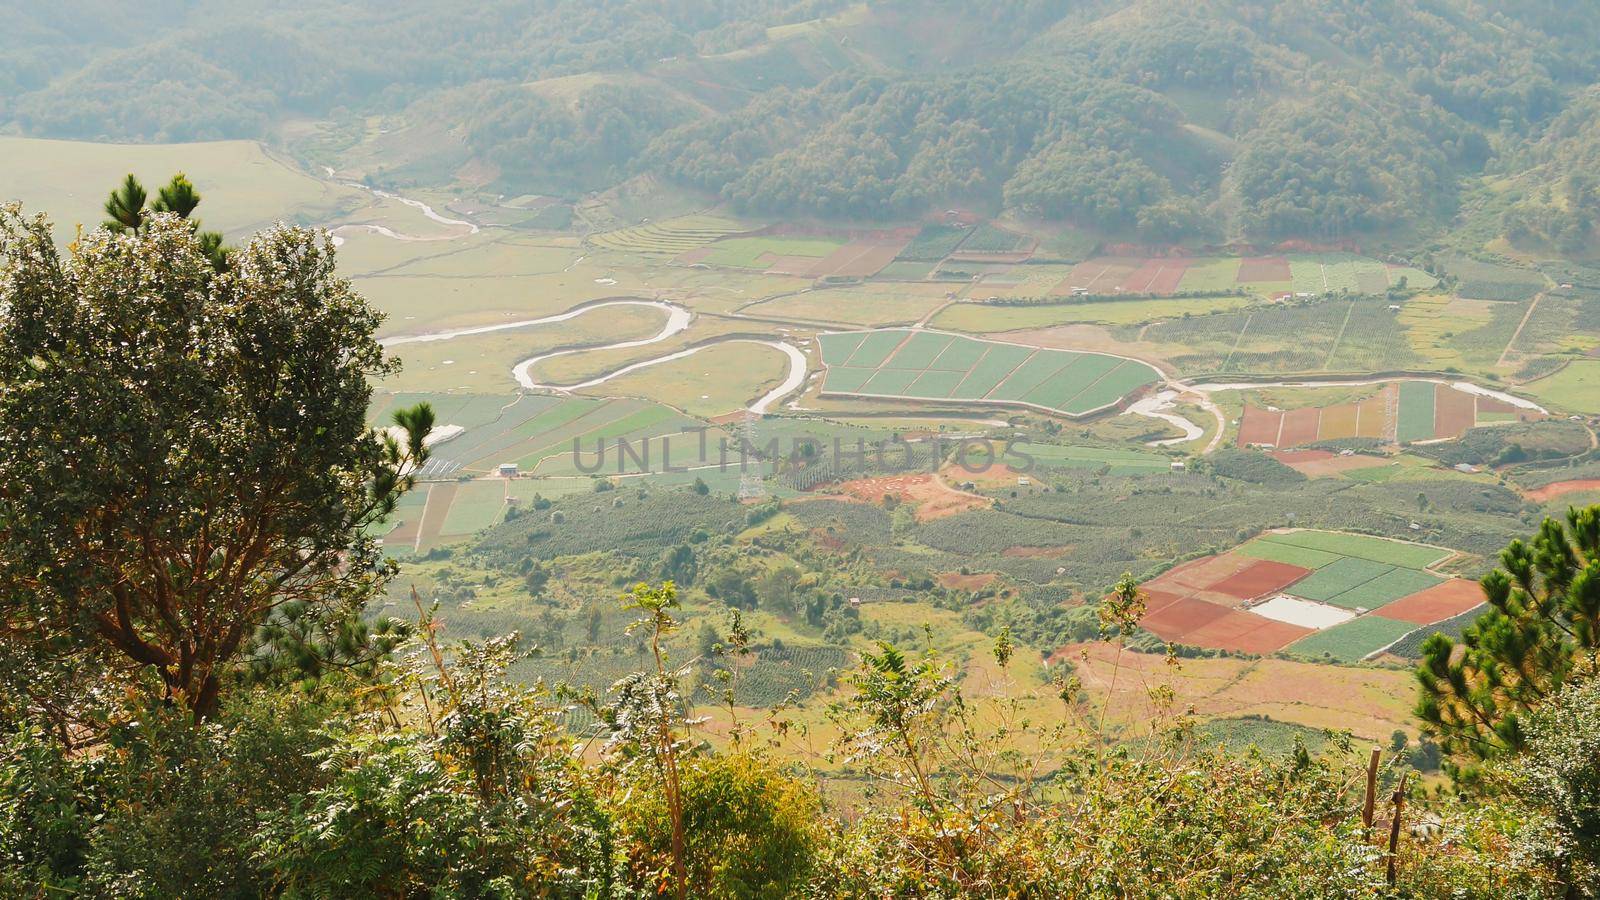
(1225, 119)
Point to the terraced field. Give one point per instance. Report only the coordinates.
(937, 366)
(670, 236)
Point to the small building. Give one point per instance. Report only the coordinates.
(1022, 481)
(1179, 465)
(506, 470)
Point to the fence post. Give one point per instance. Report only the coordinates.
(1368, 808)
(1399, 800)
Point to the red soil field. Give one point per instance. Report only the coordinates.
(1157, 599)
(1176, 621)
(1263, 578)
(857, 259)
(1264, 268)
(1492, 405)
(1323, 464)
(1259, 426)
(1453, 412)
(1202, 574)
(974, 582)
(1435, 604)
(1138, 282)
(1562, 488)
(1300, 426)
(1338, 422)
(1156, 276)
(1171, 275)
(1246, 632)
(933, 497)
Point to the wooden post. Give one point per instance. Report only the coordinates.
(1398, 800)
(1370, 806)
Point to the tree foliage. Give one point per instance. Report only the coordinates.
(181, 450)
(1542, 630)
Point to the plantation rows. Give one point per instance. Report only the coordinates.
(672, 236)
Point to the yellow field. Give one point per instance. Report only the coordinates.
(1430, 321)
(244, 189)
(714, 381)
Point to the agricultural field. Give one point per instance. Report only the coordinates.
(988, 239)
(871, 305)
(933, 243)
(1480, 280)
(245, 188)
(670, 236)
(1310, 593)
(1354, 335)
(929, 365)
(715, 381)
(1114, 462)
(1575, 387)
(767, 252)
(1305, 274)
(979, 318)
(482, 363)
(1403, 412)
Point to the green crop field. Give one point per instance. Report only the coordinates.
(1396, 553)
(1385, 589)
(1210, 276)
(1361, 584)
(934, 243)
(1117, 462)
(1339, 576)
(477, 505)
(1354, 640)
(928, 365)
(1575, 387)
(1416, 411)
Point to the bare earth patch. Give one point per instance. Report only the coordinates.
(1323, 464)
(1561, 489)
(933, 498)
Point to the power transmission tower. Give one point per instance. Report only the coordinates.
(751, 487)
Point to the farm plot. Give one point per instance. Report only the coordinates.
(1118, 462)
(991, 240)
(1382, 550)
(1353, 641)
(1480, 280)
(1283, 589)
(774, 254)
(1404, 412)
(857, 259)
(935, 366)
(670, 236)
(933, 243)
(1211, 275)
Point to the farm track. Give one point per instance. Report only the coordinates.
(1520, 325)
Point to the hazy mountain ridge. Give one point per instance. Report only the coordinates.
(1222, 120)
